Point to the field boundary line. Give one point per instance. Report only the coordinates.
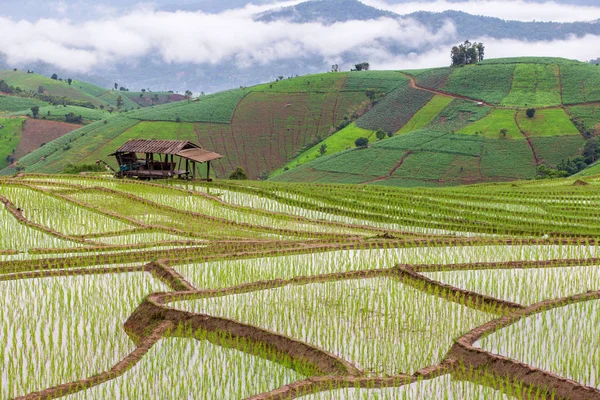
(475, 359)
(117, 370)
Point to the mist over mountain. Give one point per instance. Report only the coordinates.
(210, 45)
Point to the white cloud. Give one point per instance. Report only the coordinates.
(574, 48)
(186, 37)
(518, 10)
(233, 36)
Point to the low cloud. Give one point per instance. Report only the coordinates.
(572, 48)
(235, 37)
(518, 10)
(188, 37)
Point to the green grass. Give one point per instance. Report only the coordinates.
(425, 165)
(490, 83)
(491, 125)
(507, 160)
(385, 81)
(534, 85)
(217, 108)
(592, 170)
(329, 82)
(142, 130)
(89, 88)
(10, 136)
(57, 113)
(13, 103)
(427, 114)
(32, 82)
(588, 115)
(395, 110)
(551, 150)
(457, 115)
(548, 122)
(366, 162)
(530, 60)
(339, 141)
(581, 83)
(111, 97)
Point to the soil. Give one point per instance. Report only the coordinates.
(38, 131)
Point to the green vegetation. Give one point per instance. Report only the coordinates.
(427, 114)
(586, 117)
(534, 85)
(581, 83)
(100, 274)
(58, 113)
(385, 81)
(499, 124)
(434, 78)
(490, 83)
(548, 122)
(331, 82)
(217, 108)
(395, 110)
(13, 103)
(32, 82)
(10, 136)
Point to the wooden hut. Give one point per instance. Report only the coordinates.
(159, 159)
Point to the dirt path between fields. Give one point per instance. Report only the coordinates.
(414, 85)
(529, 141)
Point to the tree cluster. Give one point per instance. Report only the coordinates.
(573, 165)
(467, 53)
(363, 66)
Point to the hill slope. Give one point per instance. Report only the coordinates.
(445, 125)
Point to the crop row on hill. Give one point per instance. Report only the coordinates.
(395, 110)
(9, 104)
(57, 113)
(10, 136)
(216, 108)
(434, 78)
(534, 85)
(490, 83)
(383, 81)
(581, 83)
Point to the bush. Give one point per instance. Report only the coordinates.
(530, 112)
(380, 134)
(239, 174)
(76, 169)
(361, 142)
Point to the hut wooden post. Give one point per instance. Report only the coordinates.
(208, 171)
(187, 168)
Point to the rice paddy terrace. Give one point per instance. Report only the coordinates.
(264, 290)
(446, 126)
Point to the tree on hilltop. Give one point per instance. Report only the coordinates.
(467, 53)
(363, 66)
(188, 95)
(54, 76)
(35, 110)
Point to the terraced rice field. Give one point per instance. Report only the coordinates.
(262, 290)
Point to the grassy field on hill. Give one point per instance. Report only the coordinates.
(284, 127)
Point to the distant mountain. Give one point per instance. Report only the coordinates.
(470, 26)
(152, 72)
(326, 11)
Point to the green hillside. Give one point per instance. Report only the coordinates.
(442, 126)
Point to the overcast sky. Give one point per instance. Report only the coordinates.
(233, 36)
